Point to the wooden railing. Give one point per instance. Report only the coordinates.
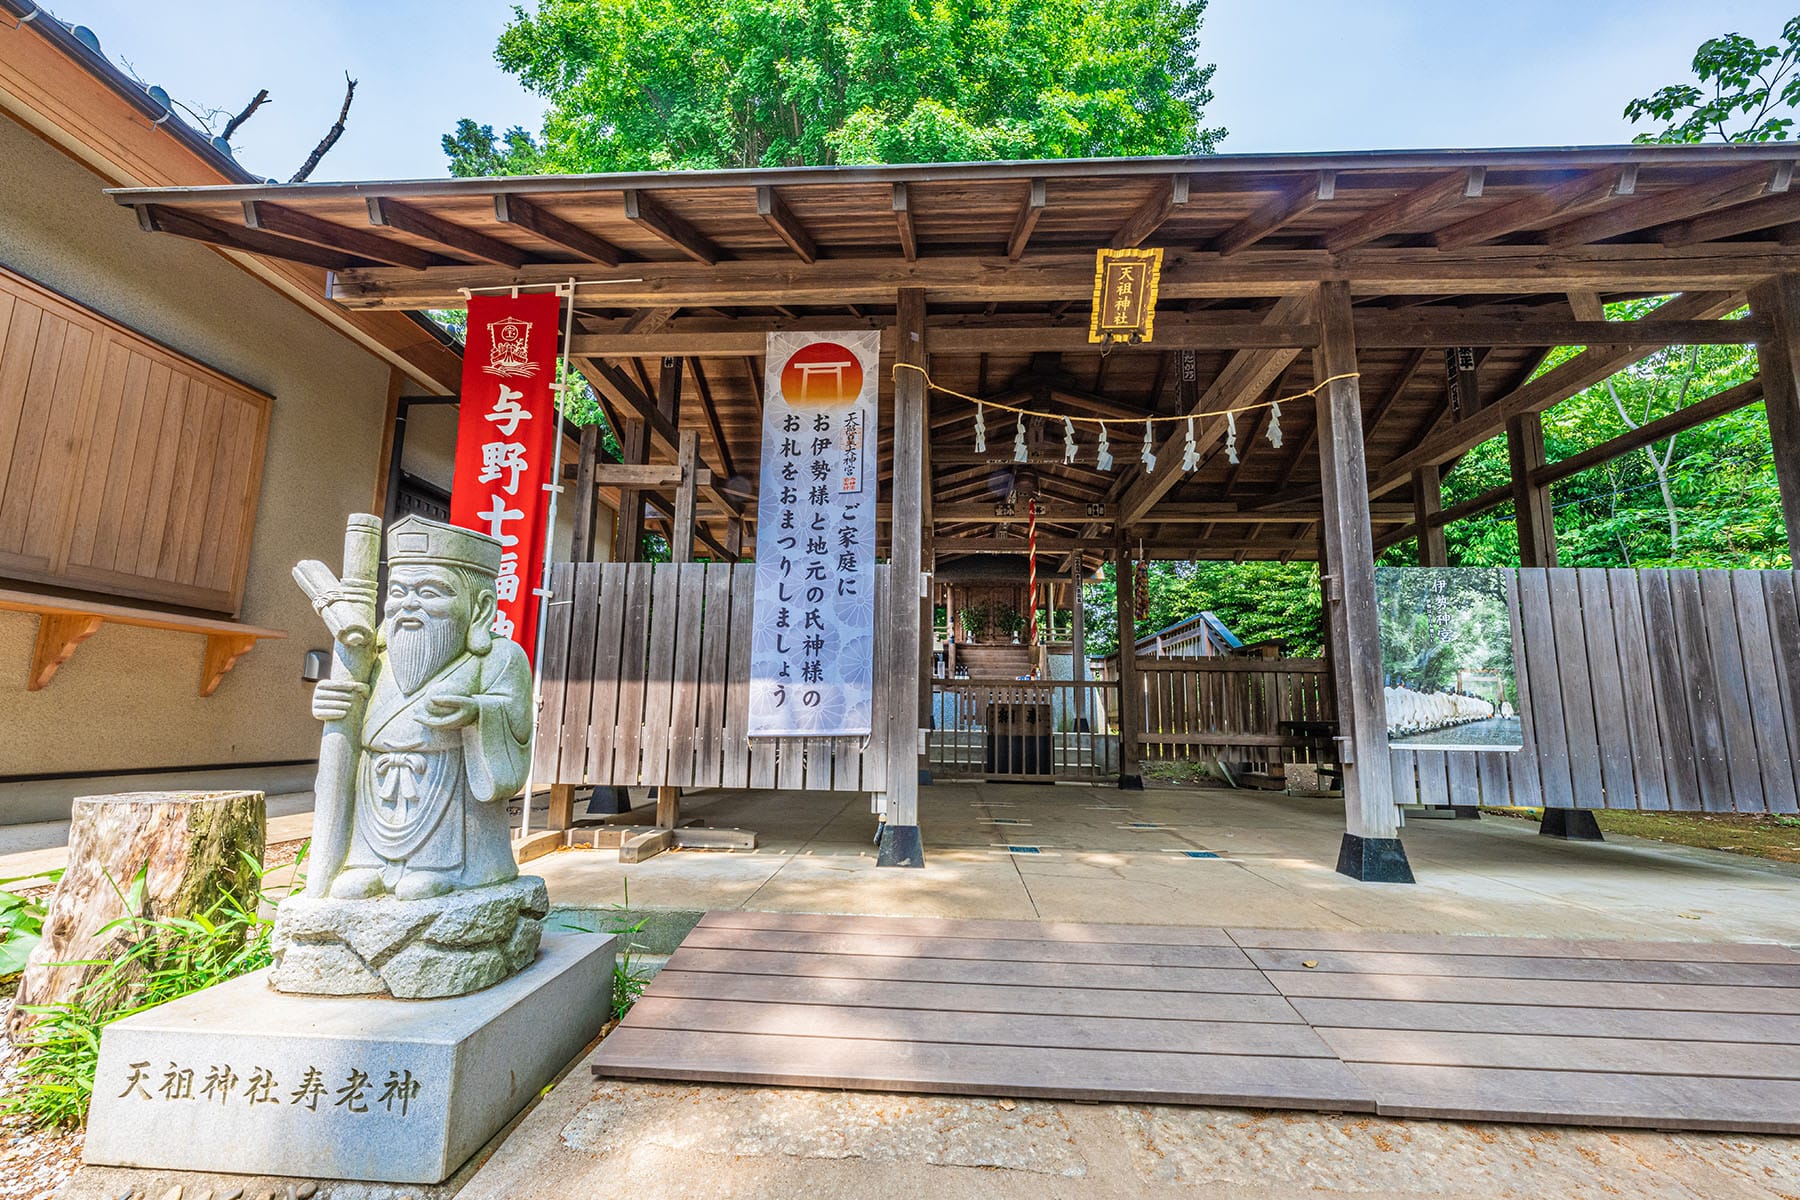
(1048, 729)
(1241, 709)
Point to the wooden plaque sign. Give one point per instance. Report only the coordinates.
(1125, 283)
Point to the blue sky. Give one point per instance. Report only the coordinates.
(1293, 74)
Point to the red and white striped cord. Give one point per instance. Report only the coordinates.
(1031, 573)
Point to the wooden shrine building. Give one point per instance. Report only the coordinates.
(1428, 286)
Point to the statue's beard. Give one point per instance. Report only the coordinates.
(418, 653)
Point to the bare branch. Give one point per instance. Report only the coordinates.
(331, 135)
(256, 102)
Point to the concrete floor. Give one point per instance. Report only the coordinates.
(1275, 868)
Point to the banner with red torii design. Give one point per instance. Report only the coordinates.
(506, 445)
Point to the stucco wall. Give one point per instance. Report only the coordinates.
(127, 700)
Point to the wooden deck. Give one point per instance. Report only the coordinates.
(1672, 1035)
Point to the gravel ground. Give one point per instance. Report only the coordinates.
(34, 1163)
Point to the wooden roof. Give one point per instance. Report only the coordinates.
(1505, 251)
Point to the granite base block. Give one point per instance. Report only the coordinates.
(245, 1079)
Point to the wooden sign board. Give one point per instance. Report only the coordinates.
(1125, 283)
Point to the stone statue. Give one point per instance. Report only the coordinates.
(411, 885)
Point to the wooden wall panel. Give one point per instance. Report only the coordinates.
(125, 468)
(646, 672)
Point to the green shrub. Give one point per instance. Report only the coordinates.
(21, 924)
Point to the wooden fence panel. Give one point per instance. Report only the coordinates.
(646, 681)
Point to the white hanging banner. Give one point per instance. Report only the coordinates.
(812, 655)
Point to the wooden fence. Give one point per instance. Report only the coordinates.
(1643, 689)
(646, 670)
(1022, 730)
(1233, 708)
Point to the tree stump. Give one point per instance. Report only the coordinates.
(190, 846)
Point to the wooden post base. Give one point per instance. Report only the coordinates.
(900, 846)
(1571, 825)
(1374, 860)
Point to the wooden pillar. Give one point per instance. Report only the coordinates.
(1531, 503)
(734, 539)
(1131, 693)
(900, 844)
(668, 390)
(681, 534)
(1371, 849)
(628, 531)
(1428, 501)
(950, 631)
(587, 498)
(1778, 361)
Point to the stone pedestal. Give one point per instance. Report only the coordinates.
(411, 949)
(245, 1079)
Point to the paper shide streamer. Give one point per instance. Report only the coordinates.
(1231, 454)
(1068, 440)
(1190, 453)
(1020, 454)
(1103, 460)
(1148, 455)
(980, 429)
(1275, 424)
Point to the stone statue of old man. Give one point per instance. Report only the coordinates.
(412, 887)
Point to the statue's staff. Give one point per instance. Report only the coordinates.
(348, 608)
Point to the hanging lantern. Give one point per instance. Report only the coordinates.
(1148, 454)
(1231, 454)
(1068, 440)
(1020, 454)
(980, 429)
(1103, 460)
(1190, 453)
(1275, 424)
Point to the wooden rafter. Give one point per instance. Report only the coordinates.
(1150, 215)
(1394, 216)
(1780, 209)
(512, 209)
(1277, 212)
(1583, 192)
(903, 223)
(710, 410)
(1678, 204)
(288, 222)
(648, 213)
(780, 218)
(158, 218)
(1036, 193)
(395, 214)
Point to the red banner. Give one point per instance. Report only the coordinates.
(506, 445)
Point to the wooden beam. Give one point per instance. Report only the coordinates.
(646, 211)
(1395, 390)
(394, 214)
(1401, 212)
(1054, 277)
(587, 459)
(1131, 692)
(1676, 204)
(528, 215)
(1277, 213)
(1684, 418)
(903, 222)
(1780, 209)
(292, 223)
(1778, 361)
(1582, 192)
(780, 218)
(1408, 331)
(158, 218)
(222, 653)
(710, 411)
(1349, 589)
(681, 538)
(1553, 386)
(1151, 214)
(57, 636)
(1247, 374)
(1036, 192)
(645, 475)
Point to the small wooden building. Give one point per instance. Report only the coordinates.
(1426, 287)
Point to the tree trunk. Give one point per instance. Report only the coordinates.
(190, 846)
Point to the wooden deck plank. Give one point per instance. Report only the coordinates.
(1544, 1020)
(1481, 966)
(1097, 1075)
(954, 998)
(991, 949)
(942, 970)
(1452, 943)
(1559, 992)
(1280, 1040)
(1538, 1052)
(1563, 1097)
(1050, 931)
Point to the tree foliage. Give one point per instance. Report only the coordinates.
(1744, 86)
(654, 84)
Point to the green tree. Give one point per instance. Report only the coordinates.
(654, 84)
(1743, 88)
